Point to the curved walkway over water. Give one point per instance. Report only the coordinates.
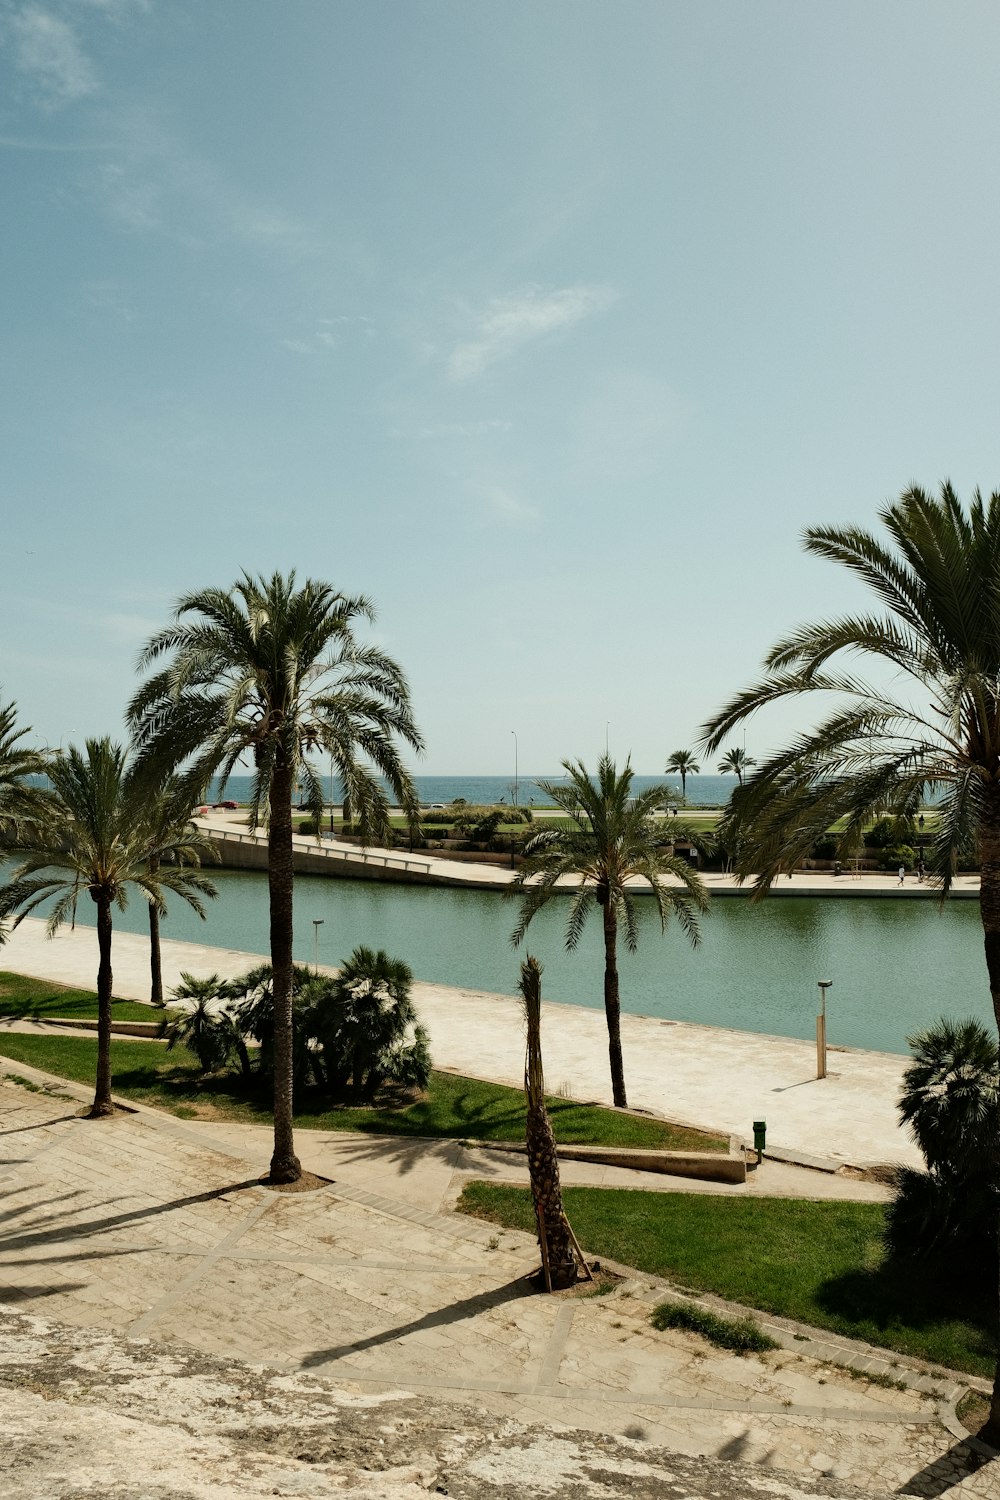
(243, 849)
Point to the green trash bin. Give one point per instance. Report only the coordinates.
(759, 1137)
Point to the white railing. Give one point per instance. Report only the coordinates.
(306, 845)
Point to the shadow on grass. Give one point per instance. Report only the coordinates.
(953, 1317)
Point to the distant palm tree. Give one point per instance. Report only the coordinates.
(94, 841)
(683, 764)
(274, 672)
(736, 762)
(178, 840)
(879, 750)
(612, 838)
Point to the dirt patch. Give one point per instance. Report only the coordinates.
(307, 1183)
(973, 1411)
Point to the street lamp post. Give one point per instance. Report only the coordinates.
(331, 794)
(824, 985)
(317, 924)
(516, 788)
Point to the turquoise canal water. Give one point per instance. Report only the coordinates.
(896, 965)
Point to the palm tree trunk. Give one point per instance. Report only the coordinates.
(612, 1005)
(989, 908)
(102, 1096)
(155, 967)
(285, 1165)
(554, 1236)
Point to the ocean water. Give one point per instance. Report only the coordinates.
(702, 791)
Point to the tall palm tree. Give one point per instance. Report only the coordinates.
(736, 763)
(174, 838)
(936, 639)
(683, 764)
(613, 841)
(275, 673)
(94, 840)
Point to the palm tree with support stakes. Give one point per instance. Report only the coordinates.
(611, 840)
(275, 672)
(558, 1244)
(928, 726)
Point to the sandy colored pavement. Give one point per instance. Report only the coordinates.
(699, 1075)
(149, 1229)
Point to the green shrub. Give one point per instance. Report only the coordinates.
(898, 854)
(365, 1030)
(825, 849)
(743, 1335)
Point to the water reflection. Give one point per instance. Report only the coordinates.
(895, 965)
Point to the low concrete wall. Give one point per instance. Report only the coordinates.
(118, 1028)
(710, 1166)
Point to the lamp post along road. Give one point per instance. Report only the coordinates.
(317, 924)
(516, 788)
(824, 985)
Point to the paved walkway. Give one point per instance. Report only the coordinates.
(147, 1226)
(698, 1075)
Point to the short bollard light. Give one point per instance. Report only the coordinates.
(759, 1137)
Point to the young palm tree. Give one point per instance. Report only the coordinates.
(683, 764)
(555, 1238)
(612, 839)
(275, 673)
(176, 839)
(94, 840)
(200, 1022)
(736, 763)
(880, 749)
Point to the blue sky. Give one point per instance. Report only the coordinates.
(547, 325)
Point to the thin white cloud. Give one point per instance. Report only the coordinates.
(511, 322)
(46, 51)
(510, 508)
(157, 185)
(435, 430)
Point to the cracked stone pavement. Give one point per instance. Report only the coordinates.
(151, 1235)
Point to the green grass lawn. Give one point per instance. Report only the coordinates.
(34, 999)
(819, 1263)
(454, 1106)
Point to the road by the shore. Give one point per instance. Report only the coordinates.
(699, 1075)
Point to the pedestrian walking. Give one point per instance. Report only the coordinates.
(902, 874)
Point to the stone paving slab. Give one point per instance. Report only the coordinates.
(122, 1225)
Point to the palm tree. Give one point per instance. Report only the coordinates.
(176, 839)
(94, 840)
(20, 800)
(200, 1023)
(614, 839)
(880, 749)
(683, 764)
(274, 672)
(555, 1238)
(736, 763)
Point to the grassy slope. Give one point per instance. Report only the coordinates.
(820, 1263)
(34, 999)
(454, 1107)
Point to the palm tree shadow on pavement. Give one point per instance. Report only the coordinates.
(455, 1312)
(72, 1229)
(951, 1468)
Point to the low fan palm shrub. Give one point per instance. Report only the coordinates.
(949, 1102)
(364, 1029)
